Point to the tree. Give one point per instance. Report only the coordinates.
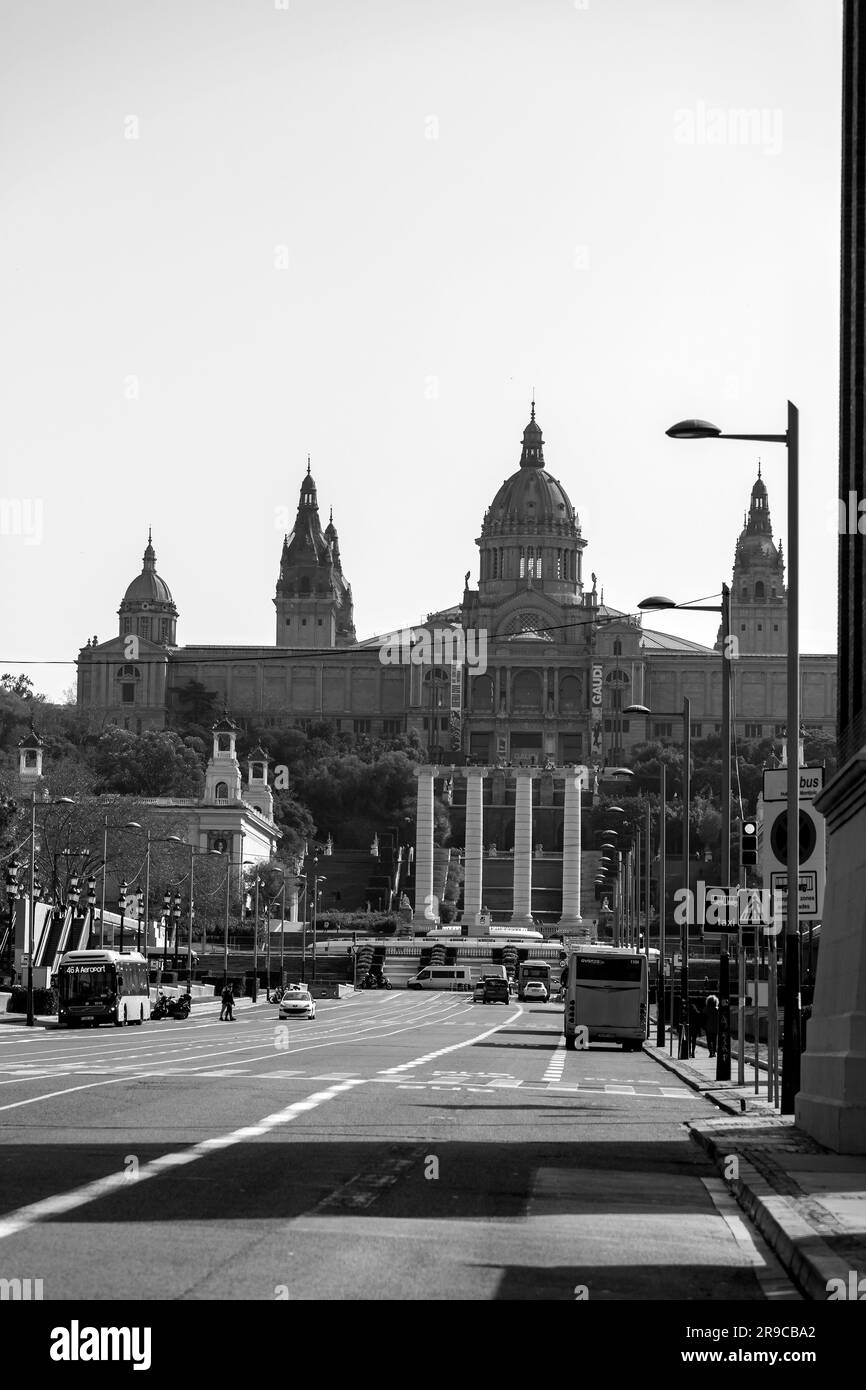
(155, 763)
(22, 686)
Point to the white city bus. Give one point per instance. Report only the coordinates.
(102, 987)
(607, 995)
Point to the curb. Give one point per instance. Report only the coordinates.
(781, 1225)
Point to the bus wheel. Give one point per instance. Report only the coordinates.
(120, 1022)
(570, 1042)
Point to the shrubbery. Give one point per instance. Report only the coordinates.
(44, 1001)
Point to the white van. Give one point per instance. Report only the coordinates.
(442, 977)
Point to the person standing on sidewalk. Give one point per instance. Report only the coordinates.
(696, 1019)
(711, 1017)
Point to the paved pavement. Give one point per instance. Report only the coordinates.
(808, 1203)
(400, 1146)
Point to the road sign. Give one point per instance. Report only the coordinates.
(776, 783)
(808, 896)
(812, 857)
(25, 957)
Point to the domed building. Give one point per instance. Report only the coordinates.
(559, 666)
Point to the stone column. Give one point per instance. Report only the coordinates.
(426, 912)
(473, 880)
(292, 903)
(571, 848)
(522, 913)
(831, 1103)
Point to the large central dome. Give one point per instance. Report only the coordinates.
(531, 498)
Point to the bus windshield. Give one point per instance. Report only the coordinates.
(81, 982)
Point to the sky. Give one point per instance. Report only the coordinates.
(238, 232)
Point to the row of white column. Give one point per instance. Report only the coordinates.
(473, 881)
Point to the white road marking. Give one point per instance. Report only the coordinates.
(455, 1047)
(557, 1062)
(65, 1202)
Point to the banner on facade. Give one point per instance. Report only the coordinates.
(597, 711)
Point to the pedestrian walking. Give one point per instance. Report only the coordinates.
(227, 1013)
(711, 1017)
(696, 1019)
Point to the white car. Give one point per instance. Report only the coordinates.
(297, 1003)
(535, 989)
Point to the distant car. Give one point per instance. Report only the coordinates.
(536, 989)
(297, 1003)
(478, 993)
(496, 991)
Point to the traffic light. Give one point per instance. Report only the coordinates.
(749, 842)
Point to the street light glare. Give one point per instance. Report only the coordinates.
(693, 429)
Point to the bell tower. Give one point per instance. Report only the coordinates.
(759, 599)
(313, 600)
(222, 779)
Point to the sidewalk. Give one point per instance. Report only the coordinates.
(199, 1006)
(808, 1203)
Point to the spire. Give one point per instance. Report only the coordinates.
(532, 454)
(149, 553)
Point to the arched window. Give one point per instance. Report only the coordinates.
(526, 692)
(745, 593)
(128, 676)
(304, 585)
(482, 694)
(759, 590)
(222, 791)
(617, 647)
(570, 694)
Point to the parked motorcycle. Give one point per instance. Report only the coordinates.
(179, 1007)
(160, 1007)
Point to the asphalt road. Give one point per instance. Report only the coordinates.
(401, 1146)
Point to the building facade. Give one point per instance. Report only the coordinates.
(559, 669)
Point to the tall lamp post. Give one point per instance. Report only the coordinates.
(13, 890)
(685, 715)
(791, 1046)
(31, 915)
(121, 903)
(723, 1051)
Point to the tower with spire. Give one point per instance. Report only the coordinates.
(313, 599)
(759, 599)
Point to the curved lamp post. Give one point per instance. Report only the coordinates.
(791, 1044)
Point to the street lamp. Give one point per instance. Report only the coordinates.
(31, 923)
(791, 1045)
(685, 715)
(122, 892)
(13, 891)
(723, 1051)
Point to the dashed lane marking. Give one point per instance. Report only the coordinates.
(557, 1063)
